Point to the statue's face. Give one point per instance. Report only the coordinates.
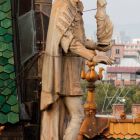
(74, 2)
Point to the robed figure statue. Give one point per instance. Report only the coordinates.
(66, 46)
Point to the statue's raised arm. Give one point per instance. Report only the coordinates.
(104, 27)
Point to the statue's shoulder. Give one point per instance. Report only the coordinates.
(66, 15)
(62, 16)
(69, 10)
(63, 9)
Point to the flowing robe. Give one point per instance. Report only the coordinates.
(62, 16)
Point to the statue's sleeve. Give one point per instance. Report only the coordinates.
(90, 44)
(78, 48)
(66, 40)
(104, 24)
(70, 43)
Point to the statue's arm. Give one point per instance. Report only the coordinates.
(70, 43)
(90, 44)
(104, 27)
(77, 47)
(66, 40)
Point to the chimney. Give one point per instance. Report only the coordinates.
(118, 109)
(136, 110)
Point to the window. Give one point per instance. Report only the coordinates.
(117, 60)
(126, 76)
(25, 6)
(117, 51)
(138, 76)
(119, 76)
(133, 76)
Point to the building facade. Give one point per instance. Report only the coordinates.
(126, 69)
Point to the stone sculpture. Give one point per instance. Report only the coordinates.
(66, 46)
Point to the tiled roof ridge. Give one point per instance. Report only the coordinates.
(123, 130)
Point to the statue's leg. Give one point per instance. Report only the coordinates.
(75, 109)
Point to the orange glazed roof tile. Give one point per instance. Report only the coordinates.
(123, 130)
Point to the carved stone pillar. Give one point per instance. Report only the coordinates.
(136, 110)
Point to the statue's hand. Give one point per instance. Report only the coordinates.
(101, 3)
(103, 59)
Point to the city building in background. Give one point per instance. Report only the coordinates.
(121, 37)
(126, 69)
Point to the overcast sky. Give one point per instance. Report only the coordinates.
(121, 12)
